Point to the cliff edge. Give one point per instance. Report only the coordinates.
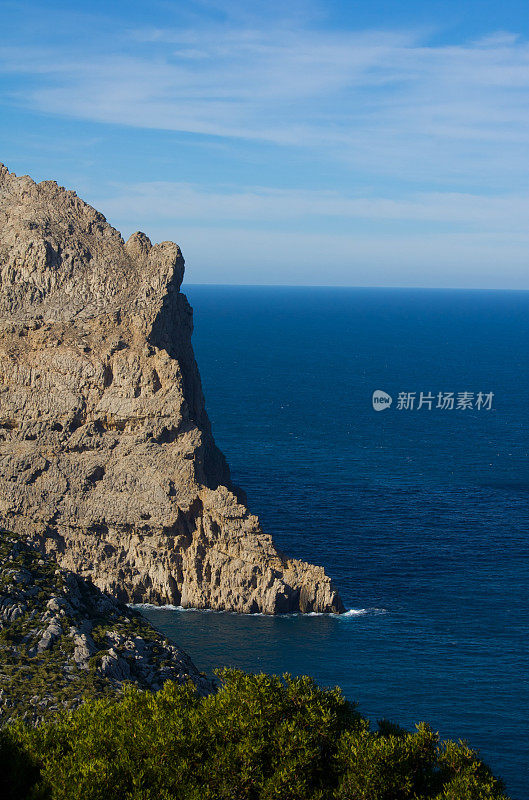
(106, 454)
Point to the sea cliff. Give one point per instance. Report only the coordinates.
(107, 458)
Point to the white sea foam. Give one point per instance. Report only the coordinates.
(356, 612)
(359, 612)
(153, 607)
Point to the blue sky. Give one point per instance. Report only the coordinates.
(340, 143)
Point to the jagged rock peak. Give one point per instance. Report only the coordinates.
(106, 453)
(60, 258)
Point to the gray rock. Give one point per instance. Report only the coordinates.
(58, 604)
(114, 667)
(22, 578)
(50, 636)
(84, 648)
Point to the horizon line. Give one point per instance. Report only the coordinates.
(353, 286)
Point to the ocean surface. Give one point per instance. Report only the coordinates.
(421, 516)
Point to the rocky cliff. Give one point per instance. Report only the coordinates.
(62, 640)
(106, 452)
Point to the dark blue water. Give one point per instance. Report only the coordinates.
(421, 516)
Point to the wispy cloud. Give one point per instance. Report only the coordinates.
(374, 151)
(169, 202)
(384, 101)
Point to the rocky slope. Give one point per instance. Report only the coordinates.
(106, 452)
(63, 640)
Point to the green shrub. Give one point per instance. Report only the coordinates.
(259, 737)
(19, 770)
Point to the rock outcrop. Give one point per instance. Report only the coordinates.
(106, 452)
(62, 640)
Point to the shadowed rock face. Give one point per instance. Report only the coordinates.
(106, 452)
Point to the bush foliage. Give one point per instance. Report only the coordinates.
(259, 736)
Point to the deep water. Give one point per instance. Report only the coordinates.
(421, 516)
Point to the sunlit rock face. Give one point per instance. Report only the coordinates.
(106, 452)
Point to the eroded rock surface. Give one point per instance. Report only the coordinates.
(106, 452)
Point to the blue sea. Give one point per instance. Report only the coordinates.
(420, 515)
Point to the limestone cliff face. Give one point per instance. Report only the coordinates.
(106, 452)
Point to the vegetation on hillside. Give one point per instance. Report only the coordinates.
(62, 640)
(258, 737)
